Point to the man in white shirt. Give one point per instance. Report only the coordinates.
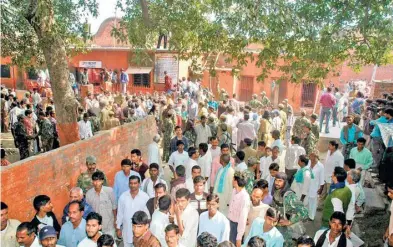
(193, 110)
(274, 169)
(245, 129)
(302, 180)
(25, 235)
(316, 185)
(291, 157)
(205, 161)
(172, 236)
(36, 98)
(274, 158)
(178, 157)
(191, 162)
(202, 131)
(239, 159)
(335, 235)
(186, 217)
(334, 158)
(149, 183)
(263, 160)
(353, 178)
(139, 112)
(85, 130)
(92, 104)
(213, 221)
(129, 202)
(160, 219)
(93, 230)
(14, 112)
(214, 149)
(195, 172)
(257, 208)
(154, 155)
(102, 200)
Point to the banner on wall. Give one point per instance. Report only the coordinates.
(168, 62)
(90, 64)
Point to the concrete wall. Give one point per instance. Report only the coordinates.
(56, 172)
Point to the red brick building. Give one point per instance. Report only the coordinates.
(107, 52)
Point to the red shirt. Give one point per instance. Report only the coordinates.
(29, 126)
(168, 83)
(327, 100)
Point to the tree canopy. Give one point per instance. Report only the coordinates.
(305, 39)
(37, 32)
(19, 39)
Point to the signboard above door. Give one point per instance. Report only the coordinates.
(90, 64)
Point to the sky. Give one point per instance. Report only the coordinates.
(106, 9)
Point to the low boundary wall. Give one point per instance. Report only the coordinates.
(54, 173)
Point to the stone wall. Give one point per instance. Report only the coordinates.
(56, 172)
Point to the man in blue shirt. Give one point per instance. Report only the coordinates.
(76, 194)
(124, 81)
(265, 228)
(121, 183)
(349, 135)
(74, 230)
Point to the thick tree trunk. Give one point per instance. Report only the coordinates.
(55, 55)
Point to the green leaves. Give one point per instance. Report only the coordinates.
(303, 39)
(20, 42)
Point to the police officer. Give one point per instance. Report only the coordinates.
(309, 142)
(84, 180)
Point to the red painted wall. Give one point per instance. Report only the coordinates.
(56, 172)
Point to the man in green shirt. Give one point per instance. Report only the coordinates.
(362, 156)
(339, 196)
(249, 173)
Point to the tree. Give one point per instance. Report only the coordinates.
(303, 39)
(46, 32)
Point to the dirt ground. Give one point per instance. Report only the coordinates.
(372, 228)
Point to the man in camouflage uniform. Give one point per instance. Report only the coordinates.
(290, 207)
(314, 126)
(255, 103)
(94, 120)
(84, 180)
(21, 137)
(309, 143)
(46, 132)
(223, 94)
(287, 106)
(249, 173)
(299, 124)
(168, 128)
(265, 100)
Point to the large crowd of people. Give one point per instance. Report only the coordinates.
(230, 173)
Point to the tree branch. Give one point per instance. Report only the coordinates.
(145, 12)
(31, 11)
